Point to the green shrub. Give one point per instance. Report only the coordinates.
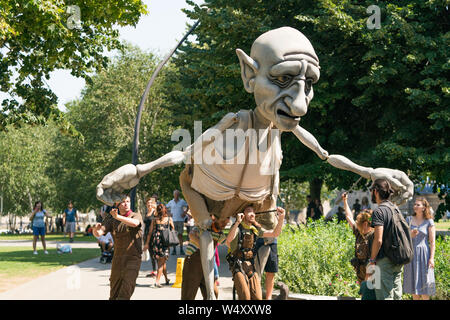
(442, 268)
(316, 260)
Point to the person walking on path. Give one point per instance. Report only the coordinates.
(241, 241)
(126, 229)
(270, 267)
(70, 220)
(38, 225)
(418, 278)
(363, 244)
(149, 217)
(178, 209)
(389, 285)
(154, 238)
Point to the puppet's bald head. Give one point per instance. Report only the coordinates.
(274, 45)
(280, 72)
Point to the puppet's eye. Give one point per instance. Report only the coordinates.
(282, 81)
(308, 84)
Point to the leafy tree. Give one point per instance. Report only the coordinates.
(105, 116)
(382, 99)
(38, 37)
(293, 194)
(23, 165)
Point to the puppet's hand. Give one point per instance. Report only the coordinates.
(111, 188)
(400, 183)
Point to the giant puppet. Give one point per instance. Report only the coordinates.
(280, 73)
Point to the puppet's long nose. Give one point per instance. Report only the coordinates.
(297, 100)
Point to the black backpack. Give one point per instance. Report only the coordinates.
(397, 245)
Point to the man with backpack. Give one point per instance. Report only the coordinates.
(392, 245)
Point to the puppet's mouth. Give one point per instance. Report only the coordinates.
(283, 113)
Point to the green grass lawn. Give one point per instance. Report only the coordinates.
(443, 225)
(19, 265)
(49, 237)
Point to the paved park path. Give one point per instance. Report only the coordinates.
(89, 280)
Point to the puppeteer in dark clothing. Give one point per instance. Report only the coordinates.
(127, 256)
(242, 265)
(193, 271)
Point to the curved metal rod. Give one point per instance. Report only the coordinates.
(137, 124)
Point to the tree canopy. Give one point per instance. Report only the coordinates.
(23, 167)
(38, 37)
(382, 99)
(105, 116)
(383, 96)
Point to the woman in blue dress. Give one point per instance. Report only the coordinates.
(418, 277)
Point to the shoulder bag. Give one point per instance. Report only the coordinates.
(170, 236)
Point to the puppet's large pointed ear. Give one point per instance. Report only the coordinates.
(249, 70)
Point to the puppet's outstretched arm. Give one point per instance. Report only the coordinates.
(398, 179)
(111, 188)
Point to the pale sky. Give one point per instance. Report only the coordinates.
(158, 31)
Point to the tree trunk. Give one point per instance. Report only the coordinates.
(139, 203)
(30, 199)
(315, 187)
(12, 221)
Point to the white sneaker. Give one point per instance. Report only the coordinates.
(35, 252)
(46, 252)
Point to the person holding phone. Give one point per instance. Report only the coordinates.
(38, 225)
(364, 234)
(70, 219)
(125, 227)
